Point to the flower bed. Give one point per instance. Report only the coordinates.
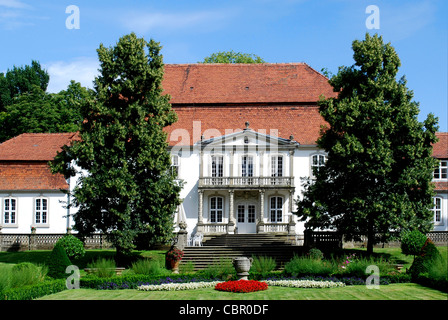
(178, 286)
(305, 283)
(241, 286)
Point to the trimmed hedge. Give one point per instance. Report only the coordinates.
(35, 291)
(439, 284)
(132, 281)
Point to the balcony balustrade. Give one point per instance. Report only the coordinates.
(246, 182)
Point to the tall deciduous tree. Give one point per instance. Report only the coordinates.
(19, 80)
(38, 111)
(128, 189)
(377, 178)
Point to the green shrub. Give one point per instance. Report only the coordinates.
(412, 242)
(27, 273)
(57, 262)
(305, 266)
(149, 267)
(428, 256)
(315, 254)
(73, 246)
(263, 265)
(186, 267)
(222, 269)
(357, 268)
(103, 268)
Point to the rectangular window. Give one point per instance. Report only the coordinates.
(276, 209)
(175, 166)
(241, 214)
(437, 210)
(247, 169)
(441, 172)
(216, 209)
(41, 211)
(276, 166)
(217, 166)
(217, 169)
(317, 161)
(9, 211)
(247, 166)
(251, 213)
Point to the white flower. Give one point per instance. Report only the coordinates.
(178, 286)
(304, 283)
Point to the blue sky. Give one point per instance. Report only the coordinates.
(319, 33)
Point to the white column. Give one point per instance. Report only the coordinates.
(200, 206)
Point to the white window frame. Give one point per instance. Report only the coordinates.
(276, 212)
(441, 171)
(218, 170)
(246, 165)
(275, 172)
(437, 210)
(319, 164)
(216, 213)
(175, 165)
(7, 211)
(40, 212)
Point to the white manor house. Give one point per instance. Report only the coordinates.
(245, 138)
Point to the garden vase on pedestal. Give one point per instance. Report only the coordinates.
(242, 266)
(174, 265)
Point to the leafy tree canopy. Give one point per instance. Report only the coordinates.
(129, 190)
(20, 80)
(232, 57)
(379, 170)
(38, 111)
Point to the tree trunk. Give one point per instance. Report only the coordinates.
(370, 238)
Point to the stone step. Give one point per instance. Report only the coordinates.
(204, 256)
(250, 240)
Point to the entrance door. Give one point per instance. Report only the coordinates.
(246, 218)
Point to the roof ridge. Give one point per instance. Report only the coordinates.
(235, 64)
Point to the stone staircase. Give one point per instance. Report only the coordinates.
(215, 249)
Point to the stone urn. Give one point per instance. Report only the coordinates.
(242, 266)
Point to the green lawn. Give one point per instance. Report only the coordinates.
(407, 291)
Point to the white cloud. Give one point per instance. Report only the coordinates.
(83, 70)
(142, 22)
(402, 21)
(14, 4)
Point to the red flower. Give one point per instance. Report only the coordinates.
(241, 286)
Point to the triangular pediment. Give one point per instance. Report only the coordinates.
(249, 138)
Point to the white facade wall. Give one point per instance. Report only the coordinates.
(25, 211)
(442, 225)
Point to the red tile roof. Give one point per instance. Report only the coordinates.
(21, 175)
(24, 161)
(440, 148)
(34, 146)
(303, 122)
(244, 83)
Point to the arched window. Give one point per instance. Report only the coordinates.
(216, 209)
